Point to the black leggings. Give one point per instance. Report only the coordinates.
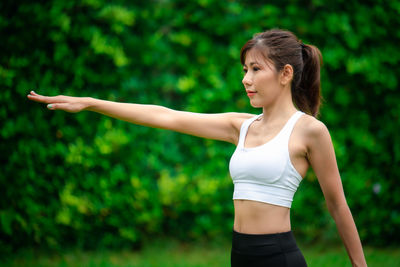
(251, 250)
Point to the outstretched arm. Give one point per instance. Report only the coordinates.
(222, 126)
(322, 159)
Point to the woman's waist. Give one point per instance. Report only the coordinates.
(253, 217)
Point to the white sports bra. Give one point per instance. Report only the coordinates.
(265, 173)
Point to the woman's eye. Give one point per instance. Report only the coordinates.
(245, 70)
(256, 69)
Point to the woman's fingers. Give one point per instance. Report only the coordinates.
(39, 98)
(43, 99)
(60, 102)
(33, 94)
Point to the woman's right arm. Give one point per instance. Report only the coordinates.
(221, 126)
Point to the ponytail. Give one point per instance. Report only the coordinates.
(307, 95)
(282, 47)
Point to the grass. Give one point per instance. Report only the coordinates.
(337, 256)
(173, 254)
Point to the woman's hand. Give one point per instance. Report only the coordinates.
(60, 102)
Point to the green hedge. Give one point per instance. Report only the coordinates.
(90, 181)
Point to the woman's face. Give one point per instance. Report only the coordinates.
(261, 80)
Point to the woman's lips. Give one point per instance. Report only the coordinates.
(251, 93)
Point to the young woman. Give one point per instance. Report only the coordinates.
(274, 149)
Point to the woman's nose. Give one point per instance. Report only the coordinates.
(246, 80)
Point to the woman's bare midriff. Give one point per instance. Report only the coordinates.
(253, 217)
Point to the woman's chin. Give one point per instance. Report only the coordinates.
(255, 104)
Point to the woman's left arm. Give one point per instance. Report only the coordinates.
(321, 155)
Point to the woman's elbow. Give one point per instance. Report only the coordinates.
(336, 204)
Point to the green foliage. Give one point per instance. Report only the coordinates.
(91, 181)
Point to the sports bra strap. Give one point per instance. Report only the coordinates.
(244, 128)
(288, 128)
(285, 132)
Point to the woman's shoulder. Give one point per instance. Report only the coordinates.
(311, 128)
(237, 118)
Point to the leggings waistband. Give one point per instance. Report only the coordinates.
(285, 241)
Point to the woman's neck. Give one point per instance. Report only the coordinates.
(281, 109)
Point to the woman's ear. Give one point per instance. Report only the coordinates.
(286, 75)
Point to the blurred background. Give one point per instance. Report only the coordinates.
(90, 183)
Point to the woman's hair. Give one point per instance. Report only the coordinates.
(282, 47)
